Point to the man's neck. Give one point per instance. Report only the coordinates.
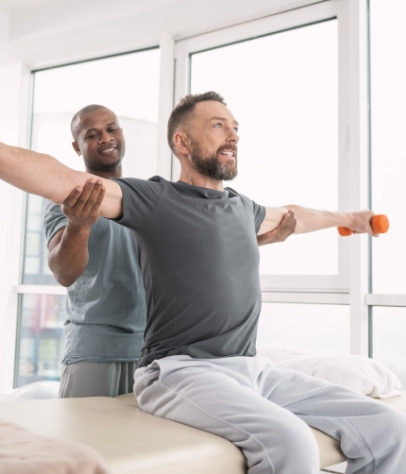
(197, 179)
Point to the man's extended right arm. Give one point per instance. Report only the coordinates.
(45, 176)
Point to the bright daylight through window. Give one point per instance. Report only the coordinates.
(127, 84)
(283, 90)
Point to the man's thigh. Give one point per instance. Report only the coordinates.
(97, 379)
(218, 396)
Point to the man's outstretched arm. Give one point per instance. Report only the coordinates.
(310, 220)
(45, 176)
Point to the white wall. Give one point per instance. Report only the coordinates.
(59, 31)
(14, 97)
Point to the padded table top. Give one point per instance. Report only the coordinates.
(134, 442)
(130, 440)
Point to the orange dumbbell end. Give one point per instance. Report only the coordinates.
(379, 224)
(344, 231)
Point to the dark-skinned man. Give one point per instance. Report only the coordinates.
(97, 260)
(199, 256)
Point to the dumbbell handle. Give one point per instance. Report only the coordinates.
(379, 224)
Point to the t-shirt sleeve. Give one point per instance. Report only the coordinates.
(54, 219)
(140, 200)
(257, 209)
(259, 215)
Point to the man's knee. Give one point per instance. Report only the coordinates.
(297, 449)
(394, 427)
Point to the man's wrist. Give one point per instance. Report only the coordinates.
(78, 229)
(348, 220)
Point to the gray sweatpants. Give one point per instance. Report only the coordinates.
(267, 413)
(97, 379)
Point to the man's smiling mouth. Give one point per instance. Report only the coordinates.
(228, 153)
(107, 151)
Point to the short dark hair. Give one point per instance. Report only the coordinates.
(182, 112)
(80, 113)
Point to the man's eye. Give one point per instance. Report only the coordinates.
(112, 130)
(94, 135)
(218, 125)
(235, 129)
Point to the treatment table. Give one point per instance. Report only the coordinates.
(133, 442)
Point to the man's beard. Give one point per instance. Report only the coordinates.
(212, 166)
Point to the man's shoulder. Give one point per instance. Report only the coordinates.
(233, 193)
(53, 218)
(138, 182)
(51, 210)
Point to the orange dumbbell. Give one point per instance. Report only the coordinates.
(379, 224)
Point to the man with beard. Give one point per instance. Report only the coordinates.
(200, 261)
(97, 261)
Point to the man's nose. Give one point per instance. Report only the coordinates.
(233, 136)
(106, 137)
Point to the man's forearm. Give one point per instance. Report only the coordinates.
(70, 257)
(309, 220)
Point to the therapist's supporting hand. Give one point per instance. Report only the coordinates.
(82, 206)
(68, 248)
(285, 228)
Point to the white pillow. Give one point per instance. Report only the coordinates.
(35, 390)
(364, 375)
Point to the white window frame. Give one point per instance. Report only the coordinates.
(337, 284)
(350, 285)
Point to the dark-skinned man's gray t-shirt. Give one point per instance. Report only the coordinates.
(200, 262)
(106, 310)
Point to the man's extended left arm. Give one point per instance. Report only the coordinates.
(310, 220)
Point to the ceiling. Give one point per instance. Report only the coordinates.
(16, 5)
(41, 33)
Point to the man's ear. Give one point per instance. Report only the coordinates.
(76, 148)
(180, 139)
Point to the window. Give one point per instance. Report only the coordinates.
(388, 124)
(41, 344)
(388, 164)
(389, 339)
(128, 85)
(280, 78)
(286, 82)
(283, 90)
(312, 327)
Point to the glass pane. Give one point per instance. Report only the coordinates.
(283, 90)
(388, 109)
(36, 270)
(389, 333)
(315, 328)
(128, 85)
(41, 338)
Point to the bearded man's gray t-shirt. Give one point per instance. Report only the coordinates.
(200, 262)
(105, 306)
